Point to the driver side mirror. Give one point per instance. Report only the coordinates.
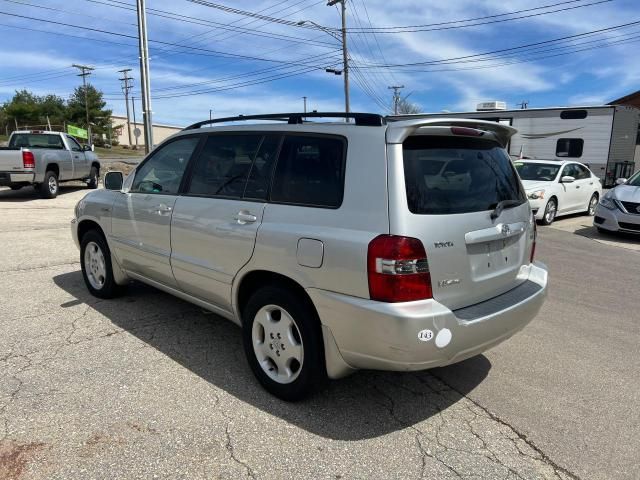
(113, 180)
(87, 148)
(567, 179)
(621, 181)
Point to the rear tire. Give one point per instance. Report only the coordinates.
(50, 186)
(550, 212)
(95, 260)
(283, 342)
(93, 178)
(593, 203)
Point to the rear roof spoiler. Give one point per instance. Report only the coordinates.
(399, 130)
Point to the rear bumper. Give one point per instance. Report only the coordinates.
(384, 336)
(616, 221)
(11, 178)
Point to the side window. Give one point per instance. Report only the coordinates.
(260, 176)
(224, 165)
(163, 171)
(73, 145)
(310, 171)
(582, 172)
(568, 171)
(569, 147)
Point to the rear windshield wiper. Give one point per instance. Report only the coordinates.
(502, 205)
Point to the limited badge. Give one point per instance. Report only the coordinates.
(425, 335)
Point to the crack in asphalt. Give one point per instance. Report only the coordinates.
(521, 436)
(40, 267)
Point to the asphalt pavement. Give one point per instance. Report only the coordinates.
(148, 386)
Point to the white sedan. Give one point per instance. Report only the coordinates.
(559, 188)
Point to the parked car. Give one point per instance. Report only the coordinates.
(559, 188)
(619, 209)
(325, 242)
(44, 159)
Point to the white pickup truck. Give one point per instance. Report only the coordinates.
(43, 159)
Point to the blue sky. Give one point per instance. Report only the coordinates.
(187, 83)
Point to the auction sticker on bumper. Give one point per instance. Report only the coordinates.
(425, 335)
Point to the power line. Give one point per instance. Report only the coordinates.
(198, 50)
(486, 17)
(503, 50)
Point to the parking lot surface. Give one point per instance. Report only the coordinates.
(148, 386)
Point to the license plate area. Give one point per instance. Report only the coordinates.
(495, 257)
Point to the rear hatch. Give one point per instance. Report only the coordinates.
(466, 204)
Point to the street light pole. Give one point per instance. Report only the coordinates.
(144, 75)
(345, 52)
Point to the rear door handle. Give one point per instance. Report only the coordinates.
(245, 217)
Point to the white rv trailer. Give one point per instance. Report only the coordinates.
(602, 137)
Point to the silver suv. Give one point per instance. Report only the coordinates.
(331, 244)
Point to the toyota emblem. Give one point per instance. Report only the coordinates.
(506, 230)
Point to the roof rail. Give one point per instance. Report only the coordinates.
(361, 119)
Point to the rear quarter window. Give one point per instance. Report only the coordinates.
(449, 175)
(310, 171)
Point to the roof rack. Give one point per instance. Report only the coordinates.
(361, 119)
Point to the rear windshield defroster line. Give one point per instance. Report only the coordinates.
(449, 175)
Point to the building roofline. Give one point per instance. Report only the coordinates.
(541, 109)
(124, 117)
(625, 98)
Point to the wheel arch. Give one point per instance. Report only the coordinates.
(251, 280)
(88, 225)
(53, 167)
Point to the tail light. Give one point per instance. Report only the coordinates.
(535, 238)
(398, 269)
(28, 160)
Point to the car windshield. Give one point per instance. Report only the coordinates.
(542, 172)
(634, 181)
(445, 175)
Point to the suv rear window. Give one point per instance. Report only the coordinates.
(445, 175)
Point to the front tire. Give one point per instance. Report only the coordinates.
(93, 178)
(95, 260)
(593, 203)
(50, 186)
(283, 342)
(550, 212)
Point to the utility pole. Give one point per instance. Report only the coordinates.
(396, 97)
(127, 84)
(133, 104)
(345, 56)
(210, 114)
(86, 71)
(305, 104)
(145, 83)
